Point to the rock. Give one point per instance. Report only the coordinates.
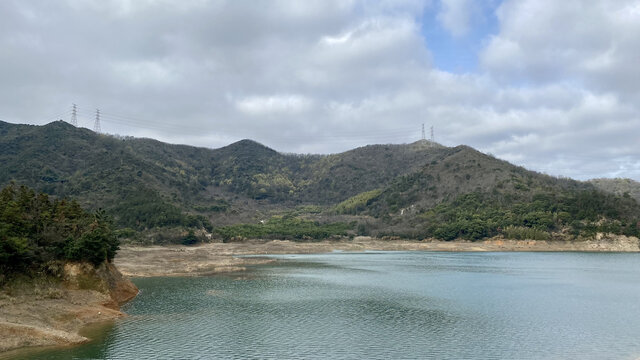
(86, 294)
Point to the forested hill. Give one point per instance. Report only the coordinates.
(120, 173)
(622, 187)
(408, 190)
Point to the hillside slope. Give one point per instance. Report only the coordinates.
(407, 190)
(462, 170)
(618, 186)
(150, 176)
(471, 195)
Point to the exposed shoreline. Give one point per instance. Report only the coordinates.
(56, 315)
(213, 258)
(50, 312)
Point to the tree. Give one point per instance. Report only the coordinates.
(35, 231)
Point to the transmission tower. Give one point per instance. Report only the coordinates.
(96, 125)
(74, 115)
(432, 138)
(423, 135)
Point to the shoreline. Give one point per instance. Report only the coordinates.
(45, 312)
(215, 258)
(51, 323)
(56, 316)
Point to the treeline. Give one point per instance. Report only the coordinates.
(36, 232)
(582, 213)
(142, 209)
(278, 227)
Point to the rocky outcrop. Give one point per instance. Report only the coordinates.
(49, 311)
(105, 278)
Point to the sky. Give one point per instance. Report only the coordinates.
(553, 86)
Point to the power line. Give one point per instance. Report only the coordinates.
(356, 134)
(380, 135)
(58, 117)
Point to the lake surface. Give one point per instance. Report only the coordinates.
(386, 305)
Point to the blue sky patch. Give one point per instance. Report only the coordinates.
(459, 54)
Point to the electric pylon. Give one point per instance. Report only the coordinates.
(96, 125)
(74, 115)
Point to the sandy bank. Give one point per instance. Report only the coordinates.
(52, 312)
(177, 260)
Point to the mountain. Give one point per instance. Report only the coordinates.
(622, 187)
(468, 194)
(102, 170)
(409, 190)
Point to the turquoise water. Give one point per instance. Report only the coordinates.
(386, 305)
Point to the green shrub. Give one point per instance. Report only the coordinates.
(36, 232)
(14, 252)
(190, 239)
(95, 246)
(284, 228)
(524, 233)
(357, 203)
(478, 215)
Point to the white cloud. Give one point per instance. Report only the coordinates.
(590, 42)
(455, 16)
(373, 40)
(264, 105)
(558, 88)
(145, 73)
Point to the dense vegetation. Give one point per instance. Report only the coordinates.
(36, 233)
(143, 209)
(358, 203)
(476, 216)
(159, 193)
(286, 227)
(622, 187)
(62, 160)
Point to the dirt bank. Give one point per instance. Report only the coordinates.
(51, 311)
(212, 258)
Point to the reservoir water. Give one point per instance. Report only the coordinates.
(385, 305)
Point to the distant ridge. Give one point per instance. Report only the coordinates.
(402, 189)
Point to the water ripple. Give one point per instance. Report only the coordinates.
(387, 305)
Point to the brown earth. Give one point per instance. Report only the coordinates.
(177, 260)
(52, 311)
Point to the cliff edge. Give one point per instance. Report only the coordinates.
(52, 310)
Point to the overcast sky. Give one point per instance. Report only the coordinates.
(550, 85)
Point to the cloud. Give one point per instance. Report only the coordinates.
(557, 87)
(275, 104)
(455, 16)
(589, 42)
(145, 73)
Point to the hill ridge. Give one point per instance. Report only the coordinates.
(147, 184)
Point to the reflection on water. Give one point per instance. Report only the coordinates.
(387, 305)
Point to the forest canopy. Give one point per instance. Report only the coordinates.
(36, 233)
